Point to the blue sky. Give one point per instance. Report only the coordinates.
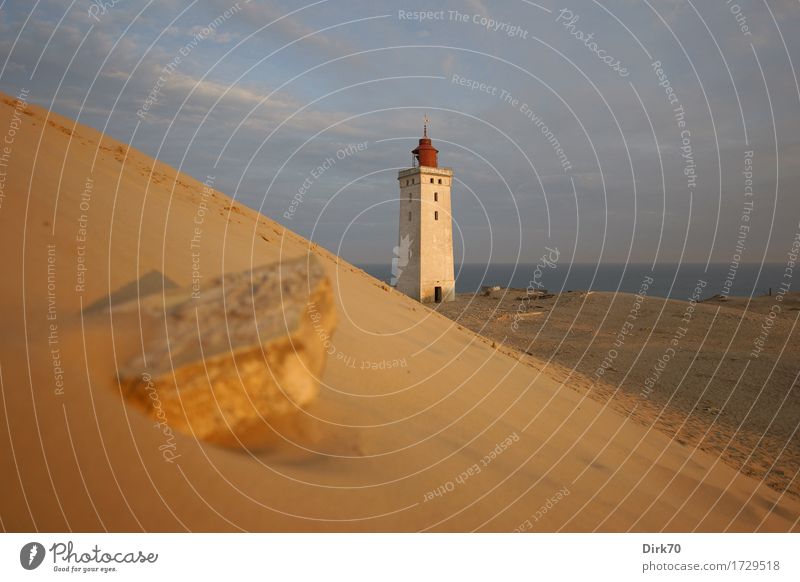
(259, 94)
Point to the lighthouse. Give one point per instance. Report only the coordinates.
(423, 263)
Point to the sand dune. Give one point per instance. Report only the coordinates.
(709, 392)
(420, 424)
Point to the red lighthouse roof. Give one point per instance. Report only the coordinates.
(425, 153)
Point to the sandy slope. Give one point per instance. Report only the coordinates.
(709, 392)
(500, 439)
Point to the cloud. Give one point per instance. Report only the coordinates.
(217, 93)
(289, 27)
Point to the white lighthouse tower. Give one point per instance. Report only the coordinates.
(423, 267)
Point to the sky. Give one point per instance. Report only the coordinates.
(615, 131)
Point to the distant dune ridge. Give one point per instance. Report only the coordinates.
(686, 369)
(463, 437)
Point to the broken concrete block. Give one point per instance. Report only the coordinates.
(227, 362)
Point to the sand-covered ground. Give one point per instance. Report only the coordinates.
(720, 375)
(420, 424)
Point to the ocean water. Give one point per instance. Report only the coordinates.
(677, 281)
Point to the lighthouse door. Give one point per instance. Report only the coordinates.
(437, 294)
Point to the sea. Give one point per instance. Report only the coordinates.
(675, 281)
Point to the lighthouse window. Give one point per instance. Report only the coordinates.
(436, 215)
(431, 180)
(409, 217)
(436, 197)
(440, 180)
(409, 196)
